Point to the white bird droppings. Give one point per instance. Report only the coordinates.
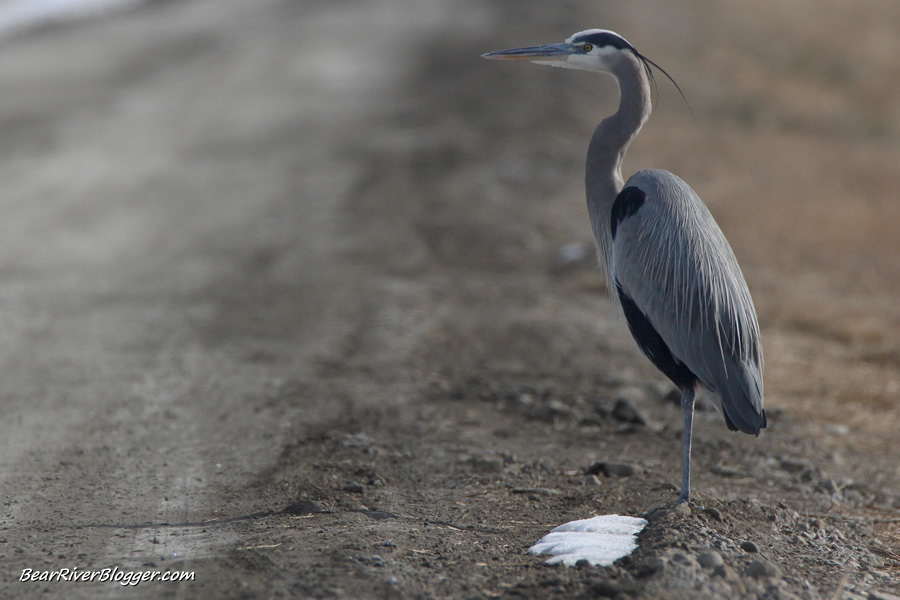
(600, 540)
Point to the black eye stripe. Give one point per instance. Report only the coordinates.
(603, 39)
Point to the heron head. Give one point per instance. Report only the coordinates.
(589, 50)
(597, 50)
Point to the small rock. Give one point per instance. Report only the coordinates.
(761, 568)
(682, 509)
(656, 514)
(303, 507)
(853, 495)
(630, 429)
(598, 405)
(536, 491)
(713, 513)
(680, 558)
(627, 412)
(828, 486)
(605, 588)
(749, 547)
(354, 488)
(358, 440)
(727, 574)
(836, 429)
(487, 463)
(553, 410)
(611, 469)
(592, 481)
(710, 560)
(652, 565)
(876, 595)
(792, 466)
(725, 471)
(378, 515)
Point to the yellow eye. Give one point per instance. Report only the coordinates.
(588, 47)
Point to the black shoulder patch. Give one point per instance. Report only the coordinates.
(626, 204)
(602, 39)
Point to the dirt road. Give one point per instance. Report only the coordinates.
(284, 305)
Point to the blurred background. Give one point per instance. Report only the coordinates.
(130, 130)
(202, 195)
(793, 140)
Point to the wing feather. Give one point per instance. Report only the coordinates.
(670, 257)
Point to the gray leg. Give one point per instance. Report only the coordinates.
(687, 405)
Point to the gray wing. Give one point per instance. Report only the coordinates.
(670, 258)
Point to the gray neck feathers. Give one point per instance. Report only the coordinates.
(603, 175)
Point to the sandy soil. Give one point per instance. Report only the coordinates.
(284, 306)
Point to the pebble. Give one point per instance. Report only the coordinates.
(553, 410)
(605, 588)
(828, 486)
(651, 565)
(627, 412)
(875, 595)
(749, 547)
(611, 469)
(656, 514)
(592, 481)
(793, 466)
(713, 513)
(726, 471)
(680, 510)
(836, 429)
(303, 507)
(710, 559)
(354, 488)
(536, 491)
(761, 568)
(853, 495)
(725, 572)
(487, 463)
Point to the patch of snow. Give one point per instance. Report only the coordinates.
(20, 15)
(600, 540)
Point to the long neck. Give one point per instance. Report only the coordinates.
(603, 175)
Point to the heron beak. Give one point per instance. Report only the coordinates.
(548, 53)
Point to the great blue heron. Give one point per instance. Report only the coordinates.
(668, 265)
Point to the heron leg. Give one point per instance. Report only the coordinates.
(687, 405)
